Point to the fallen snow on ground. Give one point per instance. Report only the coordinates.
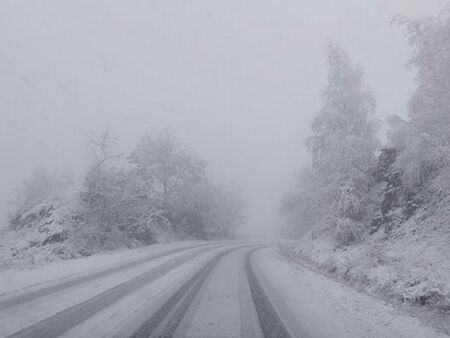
(14, 279)
(409, 266)
(107, 320)
(327, 308)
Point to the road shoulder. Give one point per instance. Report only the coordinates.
(311, 297)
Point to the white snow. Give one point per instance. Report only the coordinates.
(321, 306)
(123, 317)
(14, 279)
(327, 308)
(410, 265)
(22, 315)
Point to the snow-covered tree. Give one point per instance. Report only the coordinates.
(303, 205)
(343, 148)
(344, 140)
(174, 180)
(227, 211)
(207, 210)
(423, 141)
(161, 191)
(429, 106)
(162, 160)
(103, 190)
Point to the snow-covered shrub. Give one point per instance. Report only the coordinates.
(346, 230)
(145, 229)
(42, 186)
(45, 234)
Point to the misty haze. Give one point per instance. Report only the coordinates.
(225, 168)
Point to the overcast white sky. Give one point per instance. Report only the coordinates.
(238, 80)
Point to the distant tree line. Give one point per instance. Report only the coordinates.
(159, 188)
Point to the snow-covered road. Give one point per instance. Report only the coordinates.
(217, 289)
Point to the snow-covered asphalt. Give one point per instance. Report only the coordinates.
(220, 289)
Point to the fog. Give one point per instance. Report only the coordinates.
(239, 81)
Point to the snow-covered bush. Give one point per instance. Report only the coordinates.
(43, 185)
(145, 229)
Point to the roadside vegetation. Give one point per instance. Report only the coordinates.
(159, 192)
(378, 215)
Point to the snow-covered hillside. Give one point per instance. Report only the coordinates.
(413, 265)
(405, 257)
(379, 217)
(54, 230)
(160, 192)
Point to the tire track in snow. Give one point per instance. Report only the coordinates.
(164, 322)
(65, 320)
(47, 290)
(269, 319)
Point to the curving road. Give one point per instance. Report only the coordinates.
(206, 290)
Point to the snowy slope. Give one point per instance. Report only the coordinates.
(411, 264)
(54, 230)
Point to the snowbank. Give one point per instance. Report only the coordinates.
(326, 308)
